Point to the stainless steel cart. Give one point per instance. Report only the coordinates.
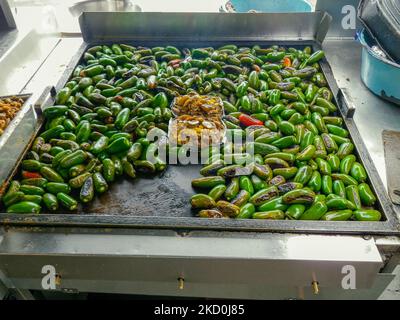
(163, 252)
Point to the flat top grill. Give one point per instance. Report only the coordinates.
(163, 201)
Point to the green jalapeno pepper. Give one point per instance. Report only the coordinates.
(232, 189)
(100, 184)
(347, 180)
(264, 195)
(67, 201)
(270, 215)
(358, 172)
(246, 211)
(338, 215)
(24, 207)
(295, 211)
(228, 209)
(334, 162)
(202, 201)
(299, 196)
(339, 188)
(315, 182)
(366, 195)
(241, 198)
(315, 212)
(274, 204)
(208, 182)
(353, 195)
(345, 149)
(340, 203)
(246, 184)
(258, 183)
(303, 175)
(50, 201)
(326, 186)
(217, 192)
(367, 215)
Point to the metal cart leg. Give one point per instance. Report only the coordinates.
(3, 290)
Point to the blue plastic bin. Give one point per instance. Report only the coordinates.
(272, 5)
(380, 75)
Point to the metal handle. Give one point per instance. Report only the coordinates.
(345, 105)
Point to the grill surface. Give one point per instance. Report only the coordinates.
(163, 201)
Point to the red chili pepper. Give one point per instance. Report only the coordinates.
(175, 61)
(256, 68)
(30, 175)
(287, 62)
(248, 121)
(118, 98)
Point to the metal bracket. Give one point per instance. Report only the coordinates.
(389, 247)
(5, 285)
(195, 26)
(345, 105)
(323, 28)
(42, 98)
(9, 17)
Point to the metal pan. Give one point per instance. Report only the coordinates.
(14, 138)
(163, 201)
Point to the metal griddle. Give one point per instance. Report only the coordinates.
(15, 137)
(163, 201)
(141, 241)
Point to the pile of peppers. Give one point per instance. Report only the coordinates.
(300, 164)
(303, 167)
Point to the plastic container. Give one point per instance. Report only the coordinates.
(176, 111)
(380, 74)
(267, 6)
(193, 139)
(382, 19)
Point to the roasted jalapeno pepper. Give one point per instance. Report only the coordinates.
(299, 196)
(278, 97)
(241, 198)
(208, 182)
(67, 201)
(100, 184)
(51, 202)
(202, 201)
(217, 192)
(270, 215)
(264, 195)
(228, 209)
(232, 189)
(353, 195)
(303, 175)
(87, 191)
